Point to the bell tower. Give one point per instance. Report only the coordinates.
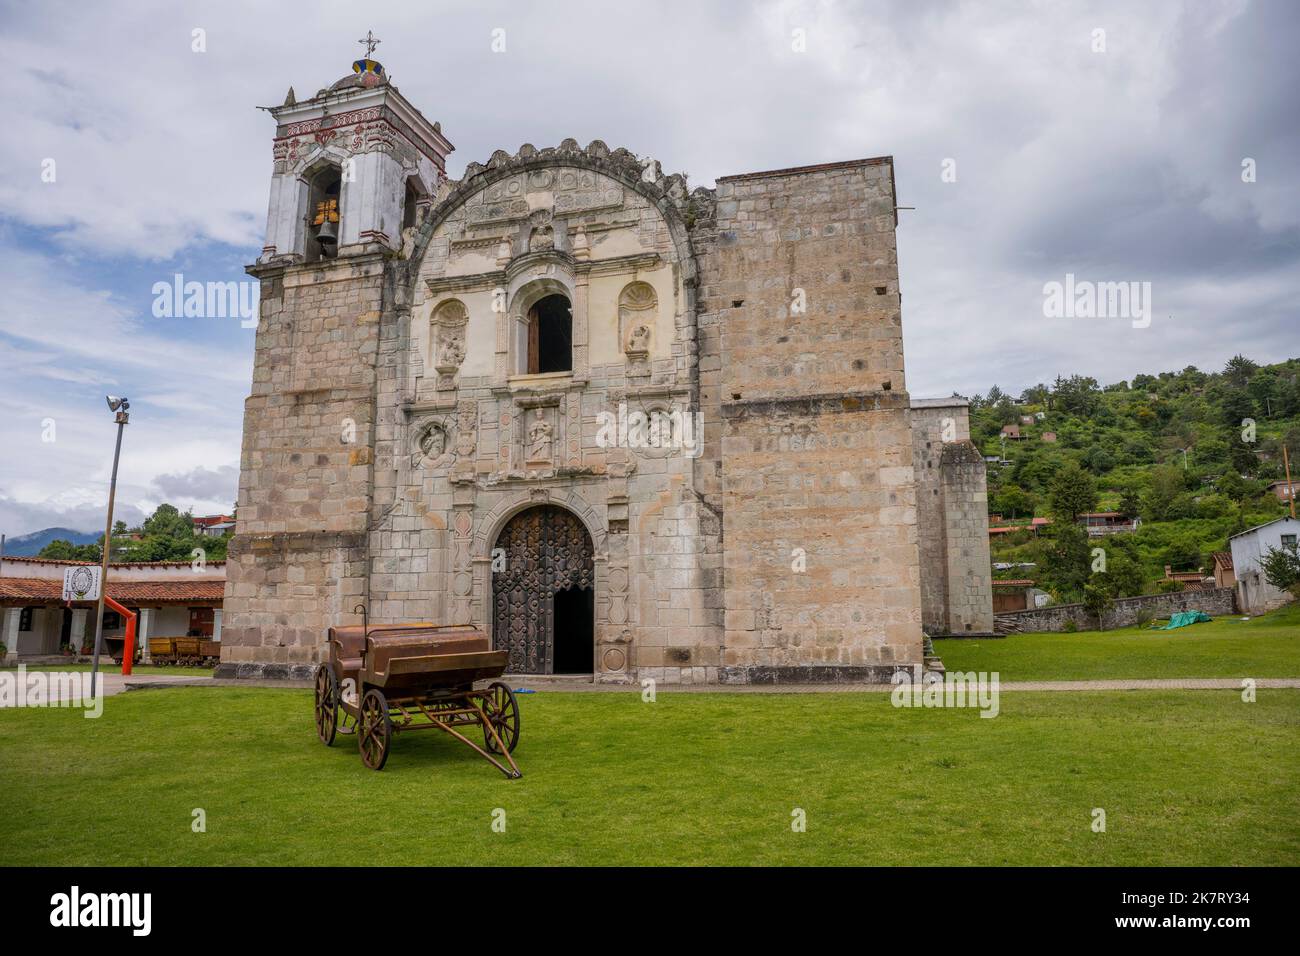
(352, 165)
(355, 167)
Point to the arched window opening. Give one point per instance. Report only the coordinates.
(550, 335)
(323, 219)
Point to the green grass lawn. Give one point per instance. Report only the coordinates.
(1267, 646)
(1191, 778)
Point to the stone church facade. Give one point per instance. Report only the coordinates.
(629, 429)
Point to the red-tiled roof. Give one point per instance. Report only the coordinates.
(1223, 559)
(209, 520)
(1014, 583)
(112, 564)
(49, 591)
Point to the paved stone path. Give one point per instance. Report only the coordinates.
(115, 684)
(586, 686)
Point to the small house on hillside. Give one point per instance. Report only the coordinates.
(1107, 522)
(1254, 594)
(1224, 576)
(214, 526)
(1284, 490)
(1185, 577)
(1012, 432)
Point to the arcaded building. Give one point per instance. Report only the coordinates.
(629, 429)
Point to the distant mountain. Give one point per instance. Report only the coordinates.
(29, 545)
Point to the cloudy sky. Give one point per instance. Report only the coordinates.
(1032, 146)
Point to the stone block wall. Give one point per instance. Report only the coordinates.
(818, 495)
(1217, 601)
(969, 572)
(298, 561)
(952, 519)
(933, 422)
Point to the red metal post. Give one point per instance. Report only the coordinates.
(128, 647)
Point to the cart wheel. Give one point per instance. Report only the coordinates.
(327, 704)
(503, 710)
(374, 729)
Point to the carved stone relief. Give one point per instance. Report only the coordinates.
(431, 443)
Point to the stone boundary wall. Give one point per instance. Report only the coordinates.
(1218, 601)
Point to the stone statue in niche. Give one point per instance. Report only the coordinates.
(637, 308)
(451, 351)
(539, 437)
(639, 340)
(448, 331)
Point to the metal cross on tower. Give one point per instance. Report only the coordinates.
(370, 42)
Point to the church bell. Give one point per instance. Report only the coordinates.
(325, 221)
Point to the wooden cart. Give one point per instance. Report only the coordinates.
(384, 679)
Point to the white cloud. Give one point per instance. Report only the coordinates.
(1122, 165)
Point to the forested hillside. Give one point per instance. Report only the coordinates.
(1190, 452)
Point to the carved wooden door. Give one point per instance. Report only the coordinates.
(542, 550)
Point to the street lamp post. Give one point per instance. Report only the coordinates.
(119, 407)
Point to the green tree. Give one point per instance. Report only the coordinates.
(1066, 557)
(1097, 600)
(1072, 492)
(1014, 502)
(1077, 395)
(61, 550)
(1123, 576)
(1130, 504)
(1239, 370)
(1281, 567)
(168, 522)
(1098, 460)
(1166, 486)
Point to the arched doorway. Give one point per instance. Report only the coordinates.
(543, 587)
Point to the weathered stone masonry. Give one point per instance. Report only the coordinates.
(396, 425)
(952, 513)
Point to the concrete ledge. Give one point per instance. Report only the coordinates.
(813, 674)
(253, 671)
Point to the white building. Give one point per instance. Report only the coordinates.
(171, 599)
(1254, 594)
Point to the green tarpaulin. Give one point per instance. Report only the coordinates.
(1183, 618)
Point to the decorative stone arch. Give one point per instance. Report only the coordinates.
(491, 523)
(316, 159)
(666, 194)
(488, 529)
(309, 168)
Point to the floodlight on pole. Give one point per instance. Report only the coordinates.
(120, 408)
